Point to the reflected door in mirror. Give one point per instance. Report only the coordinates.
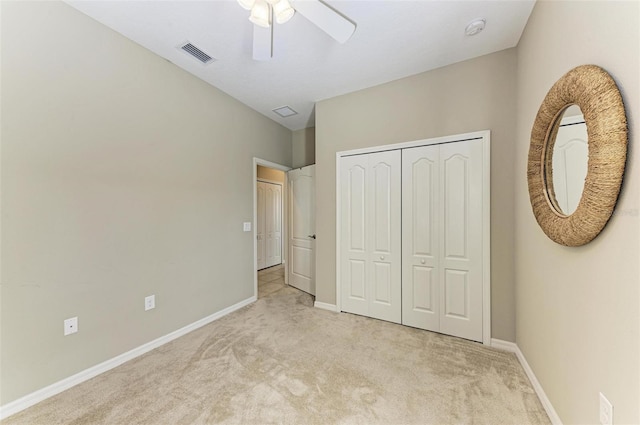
(570, 160)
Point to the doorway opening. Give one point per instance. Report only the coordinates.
(269, 225)
(270, 220)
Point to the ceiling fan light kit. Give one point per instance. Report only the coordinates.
(283, 11)
(261, 11)
(261, 14)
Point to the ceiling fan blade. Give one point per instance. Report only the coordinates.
(327, 19)
(262, 43)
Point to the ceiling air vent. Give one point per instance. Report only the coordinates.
(197, 53)
(285, 111)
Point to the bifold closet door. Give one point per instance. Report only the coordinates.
(370, 197)
(269, 225)
(273, 224)
(442, 238)
(260, 225)
(420, 237)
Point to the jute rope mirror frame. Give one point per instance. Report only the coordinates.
(596, 93)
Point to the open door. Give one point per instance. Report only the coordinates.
(302, 233)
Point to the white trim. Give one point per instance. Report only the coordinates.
(546, 403)
(417, 143)
(485, 135)
(504, 345)
(285, 236)
(80, 377)
(325, 306)
(263, 180)
(338, 227)
(486, 238)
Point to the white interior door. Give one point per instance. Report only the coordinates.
(302, 232)
(442, 238)
(461, 243)
(260, 225)
(273, 224)
(370, 226)
(420, 237)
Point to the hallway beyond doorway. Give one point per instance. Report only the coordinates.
(270, 280)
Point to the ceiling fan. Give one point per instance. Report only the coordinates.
(263, 13)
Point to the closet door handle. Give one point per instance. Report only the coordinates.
(382, 257)
(311, 236)
(422, 261)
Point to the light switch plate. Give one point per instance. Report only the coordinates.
(246, 226)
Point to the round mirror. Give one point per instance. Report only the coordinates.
(567, 161)
(574, 179)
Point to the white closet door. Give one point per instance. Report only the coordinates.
(260, 225)
(420, 237)
(370, 221)
(273, 224)
(461, 194)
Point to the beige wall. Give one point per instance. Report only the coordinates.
(468, 96)
(303, 147)
(122, 176)
(578, 308)
(270, 174)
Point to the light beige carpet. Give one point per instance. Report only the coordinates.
(282, 361)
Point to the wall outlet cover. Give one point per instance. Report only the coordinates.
(149, 302)
(70, 326)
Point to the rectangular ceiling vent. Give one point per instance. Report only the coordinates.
(197, 53)
(285, 111)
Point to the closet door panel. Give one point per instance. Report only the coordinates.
(260, 225)
(461, 241)
(456, 205)
(384, 224)
(381, 196)
(277, 225)
(420, 189)
(370, 264)
(456, 291)
(357, 281)
(422, 298)
(353, 250)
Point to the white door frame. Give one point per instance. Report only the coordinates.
(285, 219)
(485, 136)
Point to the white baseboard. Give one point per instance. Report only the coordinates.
(57, 387)
(325, 306)
(546, 403)
(504, 345)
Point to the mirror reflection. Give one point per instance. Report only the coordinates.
(569, 161)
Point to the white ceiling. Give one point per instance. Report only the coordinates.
(393, 39)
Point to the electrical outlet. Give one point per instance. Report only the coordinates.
(70, 326)
(606, 411)
(246, 226)
(149, 302)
